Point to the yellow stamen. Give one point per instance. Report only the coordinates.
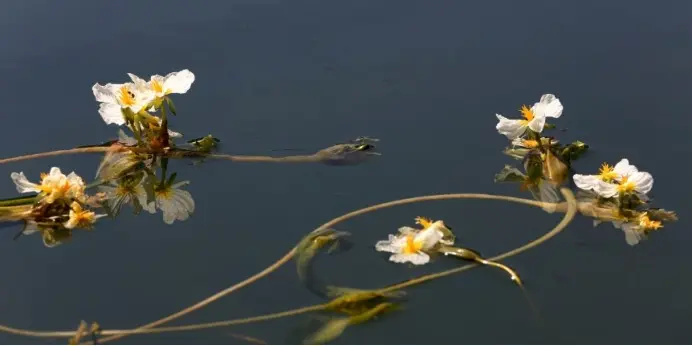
(423, 221)
(647, 223)
(606, 173)
(529, 143)
(527, 113)
(127, 98)
(626, 186)
(411, 246)
(157, 86)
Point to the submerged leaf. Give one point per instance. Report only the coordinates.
(509, 174)
(663, 215)
(329, 331)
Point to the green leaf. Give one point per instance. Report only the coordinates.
(509, 174)
(171, 106)
(573, 151)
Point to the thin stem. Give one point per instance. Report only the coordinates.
(148, 328)
(327, 225)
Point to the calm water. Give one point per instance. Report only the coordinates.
(426, 77)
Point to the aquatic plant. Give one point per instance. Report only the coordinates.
(135, 171)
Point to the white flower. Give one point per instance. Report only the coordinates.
(127, 191)
(411, 245)
(534, 118)
(611, 181)
(116, 97)
(80, 218)
(175, 203)
(53, 186)
(636, 231)
(173, 83)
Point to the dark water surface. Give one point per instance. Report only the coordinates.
(426, 77)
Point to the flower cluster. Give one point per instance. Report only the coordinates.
(617, 193)
(132, 104)
(61, 205)
(546, 162)
(623, 190)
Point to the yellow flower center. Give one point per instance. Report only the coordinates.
(81, 218)
(647, 223)
(527, 113)
(124, 190)
(626, 186)
(157, 86)
(423, 221)
(606, 172)
(127, 98)
(529, 143)
(412, 246)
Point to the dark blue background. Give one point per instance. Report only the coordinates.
(426, 77)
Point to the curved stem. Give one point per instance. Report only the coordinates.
(150, 327)
(329, 224)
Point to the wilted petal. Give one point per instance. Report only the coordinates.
(23, 184)
(632, 233)
(511, 128)
(418, 258)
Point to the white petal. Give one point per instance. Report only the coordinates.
(632, 234)
(139, 82)
(169, 210)
(585, 182)
(510, 127)
(111, 113)
(104, 93)
(643, 181)
(537, 123)
(174, 134)
(142, 198)
(407, 230)
(606, 190)
(418, 258)
(392, 245)
(23, 184)
(55, 172)
(548, 106)
(178, 82)
(623, 168)
(429, 237)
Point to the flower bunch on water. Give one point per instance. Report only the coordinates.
(617, 193)
(624, 189)
(60, 206)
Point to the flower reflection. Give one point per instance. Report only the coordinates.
(175, 203)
